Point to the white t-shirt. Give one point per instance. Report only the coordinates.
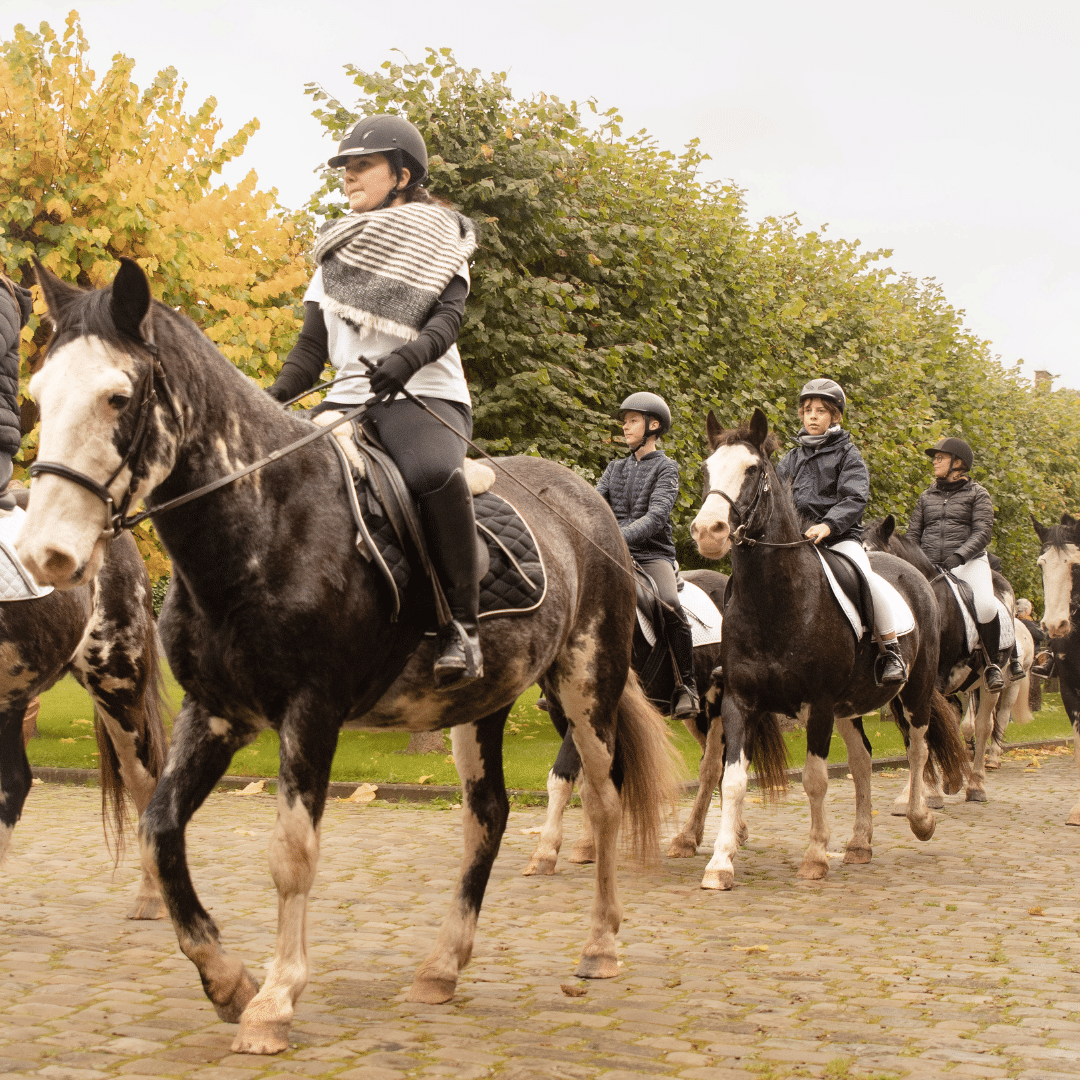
(443, 378)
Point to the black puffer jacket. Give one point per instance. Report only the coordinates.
(14, 311)
(642, 494)
(830, 484)
(952, 517)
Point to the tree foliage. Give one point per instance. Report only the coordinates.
(608, 265)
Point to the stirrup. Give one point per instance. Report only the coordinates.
(459, 655)
(685, 703)
(993, 678)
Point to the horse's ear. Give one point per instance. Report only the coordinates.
(1040, 530)
(759, 429)
(59, 295)
(130, 299)
(714, 429)
(1067, 519)
(888, 527)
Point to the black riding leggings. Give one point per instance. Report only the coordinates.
(425, 451)
(663, 574)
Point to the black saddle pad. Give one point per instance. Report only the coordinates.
(853, 583)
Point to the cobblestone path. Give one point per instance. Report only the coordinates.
(932, 961)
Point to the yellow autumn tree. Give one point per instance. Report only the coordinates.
(95, 169)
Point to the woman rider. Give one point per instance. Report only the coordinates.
(641, 489)
(952, 522)
(15, 308)
(390, 286)
(830, 484)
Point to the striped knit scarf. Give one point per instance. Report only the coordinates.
(385, 269)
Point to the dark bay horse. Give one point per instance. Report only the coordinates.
(1059, 561)
(275, 619)
(567, 768)
(959, 670)
(103, 633)
(789, 650)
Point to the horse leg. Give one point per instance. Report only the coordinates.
(815, 863)
(478, 757)
(720, 871)
(920, 816)
(984, 726)
(933, 786)
(201, 751)
(859, 849)
(560, 787)
(710, 773)
(15, 775)
(1074, 814)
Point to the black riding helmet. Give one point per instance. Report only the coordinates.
(957, 447)
(825, 389)
(649, 405)
(385, 134)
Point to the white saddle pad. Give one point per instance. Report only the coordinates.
(902, 619)
(1005, 623)
(706, 622)
(16, 582)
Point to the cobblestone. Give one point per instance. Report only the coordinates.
(924, 964)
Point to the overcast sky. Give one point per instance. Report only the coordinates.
(946, 131)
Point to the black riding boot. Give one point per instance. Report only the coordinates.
(990, 636)
(1016, 669)
(891, 665)
(681, 642)
(450, 531)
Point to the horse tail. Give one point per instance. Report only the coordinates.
(945, 742)
(650, 767)
(767, 750)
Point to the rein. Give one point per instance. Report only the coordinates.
(746, 517)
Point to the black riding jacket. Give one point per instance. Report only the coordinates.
(642, 494)
(14, 311)
(952, 517)
(830, 484)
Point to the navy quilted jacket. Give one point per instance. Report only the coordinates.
(642, 494)
(14, 311)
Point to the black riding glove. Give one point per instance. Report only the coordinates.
(393, 372)
(953, 561)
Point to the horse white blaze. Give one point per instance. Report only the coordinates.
(1057, 564)
(726, 470)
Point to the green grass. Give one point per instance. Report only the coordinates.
(65, 726)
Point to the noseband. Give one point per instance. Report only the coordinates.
(117, 518)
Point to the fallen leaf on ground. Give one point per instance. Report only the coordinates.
(243, 832)
(364, 793)
(573, 990)
(535, 831)
(425, 779)
(36, 781)
(253, 788)
(1036, 910)
(67, 740)
(750, 948)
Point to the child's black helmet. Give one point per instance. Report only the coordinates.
(383, 134)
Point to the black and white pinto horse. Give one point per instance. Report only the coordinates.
(959, 671)
(1060, 564)
(274, 619)
(789, 650)
(103, 633)
(660, 690)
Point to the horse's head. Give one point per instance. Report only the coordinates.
(733, 481)
(1059, 557)
(877, 534)
(100, 420)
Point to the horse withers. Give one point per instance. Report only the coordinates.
(103, 633)
(275, 619)
(788, 649)
(1059, 561)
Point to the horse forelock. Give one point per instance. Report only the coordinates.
(1060, 537)
(743, 435)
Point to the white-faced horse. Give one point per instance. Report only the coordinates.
(789, 650)
(275, 619)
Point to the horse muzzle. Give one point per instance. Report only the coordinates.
(713, 538)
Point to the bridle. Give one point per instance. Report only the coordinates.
(747, 517)
(155, 386)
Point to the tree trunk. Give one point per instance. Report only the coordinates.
(426, 742)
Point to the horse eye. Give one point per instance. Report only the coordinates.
(119, 401)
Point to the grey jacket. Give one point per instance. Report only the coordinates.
(956, 516)
(642, 494)
(830, 485)
(14, 311)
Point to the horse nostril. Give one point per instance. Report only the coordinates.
(57, 566)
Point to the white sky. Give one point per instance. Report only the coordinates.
(944, 130)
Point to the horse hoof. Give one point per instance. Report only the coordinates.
(923, 829)
(148, 907)
(856, 856)
(540, 864)
(935, 802)
(976, 795)
(682, 847)
(1074, 817)
(721, 880)
(597, 967)
(232, 1008)
(812, 870)
(584, 852)
(261, 1037)
(899, 809)
(430, 990)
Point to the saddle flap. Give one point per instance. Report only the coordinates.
(853, 585)
(648, 603)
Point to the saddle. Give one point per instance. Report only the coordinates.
(389, 534)
(853, 585)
